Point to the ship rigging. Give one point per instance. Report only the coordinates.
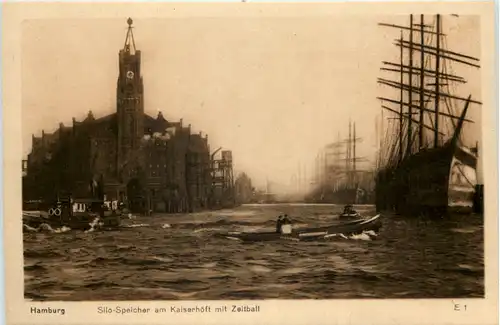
(423, 163)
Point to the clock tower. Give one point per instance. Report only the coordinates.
(129, 99)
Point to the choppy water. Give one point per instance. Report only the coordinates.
(176, 257)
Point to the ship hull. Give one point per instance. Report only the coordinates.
(437, 181)
(342, 196)
(351, 196)
(340, 230)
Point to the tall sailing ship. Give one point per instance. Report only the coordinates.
(339, 179)
(423, 164)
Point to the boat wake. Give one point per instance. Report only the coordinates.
(239, 230)
(137, 225)
(365, 235)
(130, 216)
(203, 230)
(44, 227)
(94, 224)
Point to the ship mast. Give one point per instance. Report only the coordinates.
(410, 91)
(348, 155)
(351, 158)
(436, 114)
(425, 93)
(422, 85)
(299, 178)
(381, 138)
(354, 154)
(333, 168)
(401, 105)
(337, 160)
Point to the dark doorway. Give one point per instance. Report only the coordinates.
(135, 195)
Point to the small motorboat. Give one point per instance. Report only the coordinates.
(76, 214)
(306, 234)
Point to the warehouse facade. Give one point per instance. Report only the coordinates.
(147, 162)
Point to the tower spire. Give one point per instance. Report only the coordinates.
(129, 39)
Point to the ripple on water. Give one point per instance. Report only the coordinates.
(294, 270)
(260, 269)
(163, 259)
(409, 259)
(339, 262)
(209, 265)
(35, 267)
(466, 230)
(258, 262)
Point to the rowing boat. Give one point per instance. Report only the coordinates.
(305, 234)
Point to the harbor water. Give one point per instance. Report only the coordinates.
(177, 257)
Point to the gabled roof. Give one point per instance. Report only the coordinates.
(197, 144)
(153, 125)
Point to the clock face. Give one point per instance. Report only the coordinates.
(130, 74)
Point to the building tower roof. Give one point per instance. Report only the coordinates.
(129, 39)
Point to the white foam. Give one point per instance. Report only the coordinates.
(62, 229)
(94, 224)
(309, 234)
(138, 225)
(46, 227)
(467, 204)
(206, 230)
(28, 228)
(362, 236)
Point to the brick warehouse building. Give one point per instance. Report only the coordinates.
(147, 162)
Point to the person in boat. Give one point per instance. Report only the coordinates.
(349, 211)
(279, 222)
(286, 226)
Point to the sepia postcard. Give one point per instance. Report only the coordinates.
(250, 163)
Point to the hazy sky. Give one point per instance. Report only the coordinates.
(273, 90)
